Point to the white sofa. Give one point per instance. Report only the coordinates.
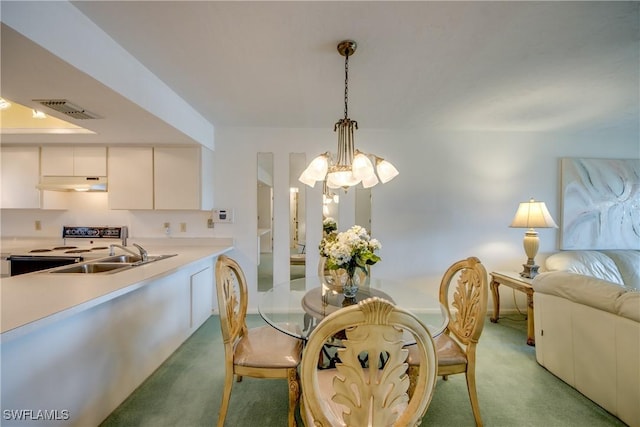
(587, 326)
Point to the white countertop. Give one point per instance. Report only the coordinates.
(30, 301)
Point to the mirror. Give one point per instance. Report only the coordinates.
(330, 203)
(363, 208)
(265, 221)
(297, 216)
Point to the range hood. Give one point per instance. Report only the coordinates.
(73, 183)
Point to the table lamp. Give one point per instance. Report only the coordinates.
(530, 215)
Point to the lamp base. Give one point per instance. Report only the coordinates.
(530, 271)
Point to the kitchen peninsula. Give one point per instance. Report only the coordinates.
(79, 344)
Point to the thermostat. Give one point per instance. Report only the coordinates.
(223, 215)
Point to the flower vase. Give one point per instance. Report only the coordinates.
(350, 286)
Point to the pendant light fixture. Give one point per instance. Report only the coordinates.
(351, 166)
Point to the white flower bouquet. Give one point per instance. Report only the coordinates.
(350, 250)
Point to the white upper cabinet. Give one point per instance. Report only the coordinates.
(74, 161)
(183, 178)
(19, 176)
(130, 178)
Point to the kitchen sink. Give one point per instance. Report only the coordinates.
(94, 268)
(122, 258)
(108, 265)
(133, 259)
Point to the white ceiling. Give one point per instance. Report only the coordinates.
(495, 66)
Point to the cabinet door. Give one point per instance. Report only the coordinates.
(177, 178)
(74, 161)
(19, 175)
(90, 161)
(130, 173)
(56, 161)
(201, 296)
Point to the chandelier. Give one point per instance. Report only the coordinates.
(350, 167)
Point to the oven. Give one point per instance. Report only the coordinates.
(21, 264)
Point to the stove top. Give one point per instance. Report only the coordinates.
(83, 242)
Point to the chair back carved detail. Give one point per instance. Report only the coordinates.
(232, 300)
(469, 299)
(357, 394)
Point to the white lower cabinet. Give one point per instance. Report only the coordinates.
(88, 363)
(201, 296)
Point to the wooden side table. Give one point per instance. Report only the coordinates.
(519, 283)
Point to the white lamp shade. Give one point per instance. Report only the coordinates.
(316, 171)
(306, 179)
(361, 166)
(533, 214)
(370, 181)
(318, 167)
(386, 171)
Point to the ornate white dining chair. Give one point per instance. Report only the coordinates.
(353, 395)
(466, 304)
(261, 352)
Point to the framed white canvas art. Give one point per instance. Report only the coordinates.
(600, 204)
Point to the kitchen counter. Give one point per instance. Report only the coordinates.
(83, 342)
(33, 300)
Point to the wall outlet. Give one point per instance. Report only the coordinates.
(183, 227)
(210, 223)
(167, 228)
(38, 225)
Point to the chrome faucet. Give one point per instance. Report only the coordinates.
(144, 256)
(143, 252)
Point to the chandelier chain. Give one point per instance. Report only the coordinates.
(346, 84)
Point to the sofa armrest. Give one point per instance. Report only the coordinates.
(581, 289)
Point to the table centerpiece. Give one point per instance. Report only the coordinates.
(350, 250)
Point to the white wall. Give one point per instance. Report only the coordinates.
(92, 209)
(455, 196)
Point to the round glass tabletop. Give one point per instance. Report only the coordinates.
(295, 307)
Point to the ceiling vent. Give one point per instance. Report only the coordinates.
(65, 107)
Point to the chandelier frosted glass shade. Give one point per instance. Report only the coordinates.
(386, 171)
(350, 167)
(316, 171)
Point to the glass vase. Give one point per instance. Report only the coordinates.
(350, 286)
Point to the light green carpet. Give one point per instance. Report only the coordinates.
(513, 389)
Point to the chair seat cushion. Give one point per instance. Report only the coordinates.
(266, 347)
(448, 350)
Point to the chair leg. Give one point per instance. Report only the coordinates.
(473, 396)
(294, 394)
(226, 395)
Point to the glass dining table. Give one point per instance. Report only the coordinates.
(295, 307)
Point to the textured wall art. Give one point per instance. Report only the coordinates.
(600, 204)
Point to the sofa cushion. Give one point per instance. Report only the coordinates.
(628, 263)
(590, 263)
(628, 305)
(582, 289)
